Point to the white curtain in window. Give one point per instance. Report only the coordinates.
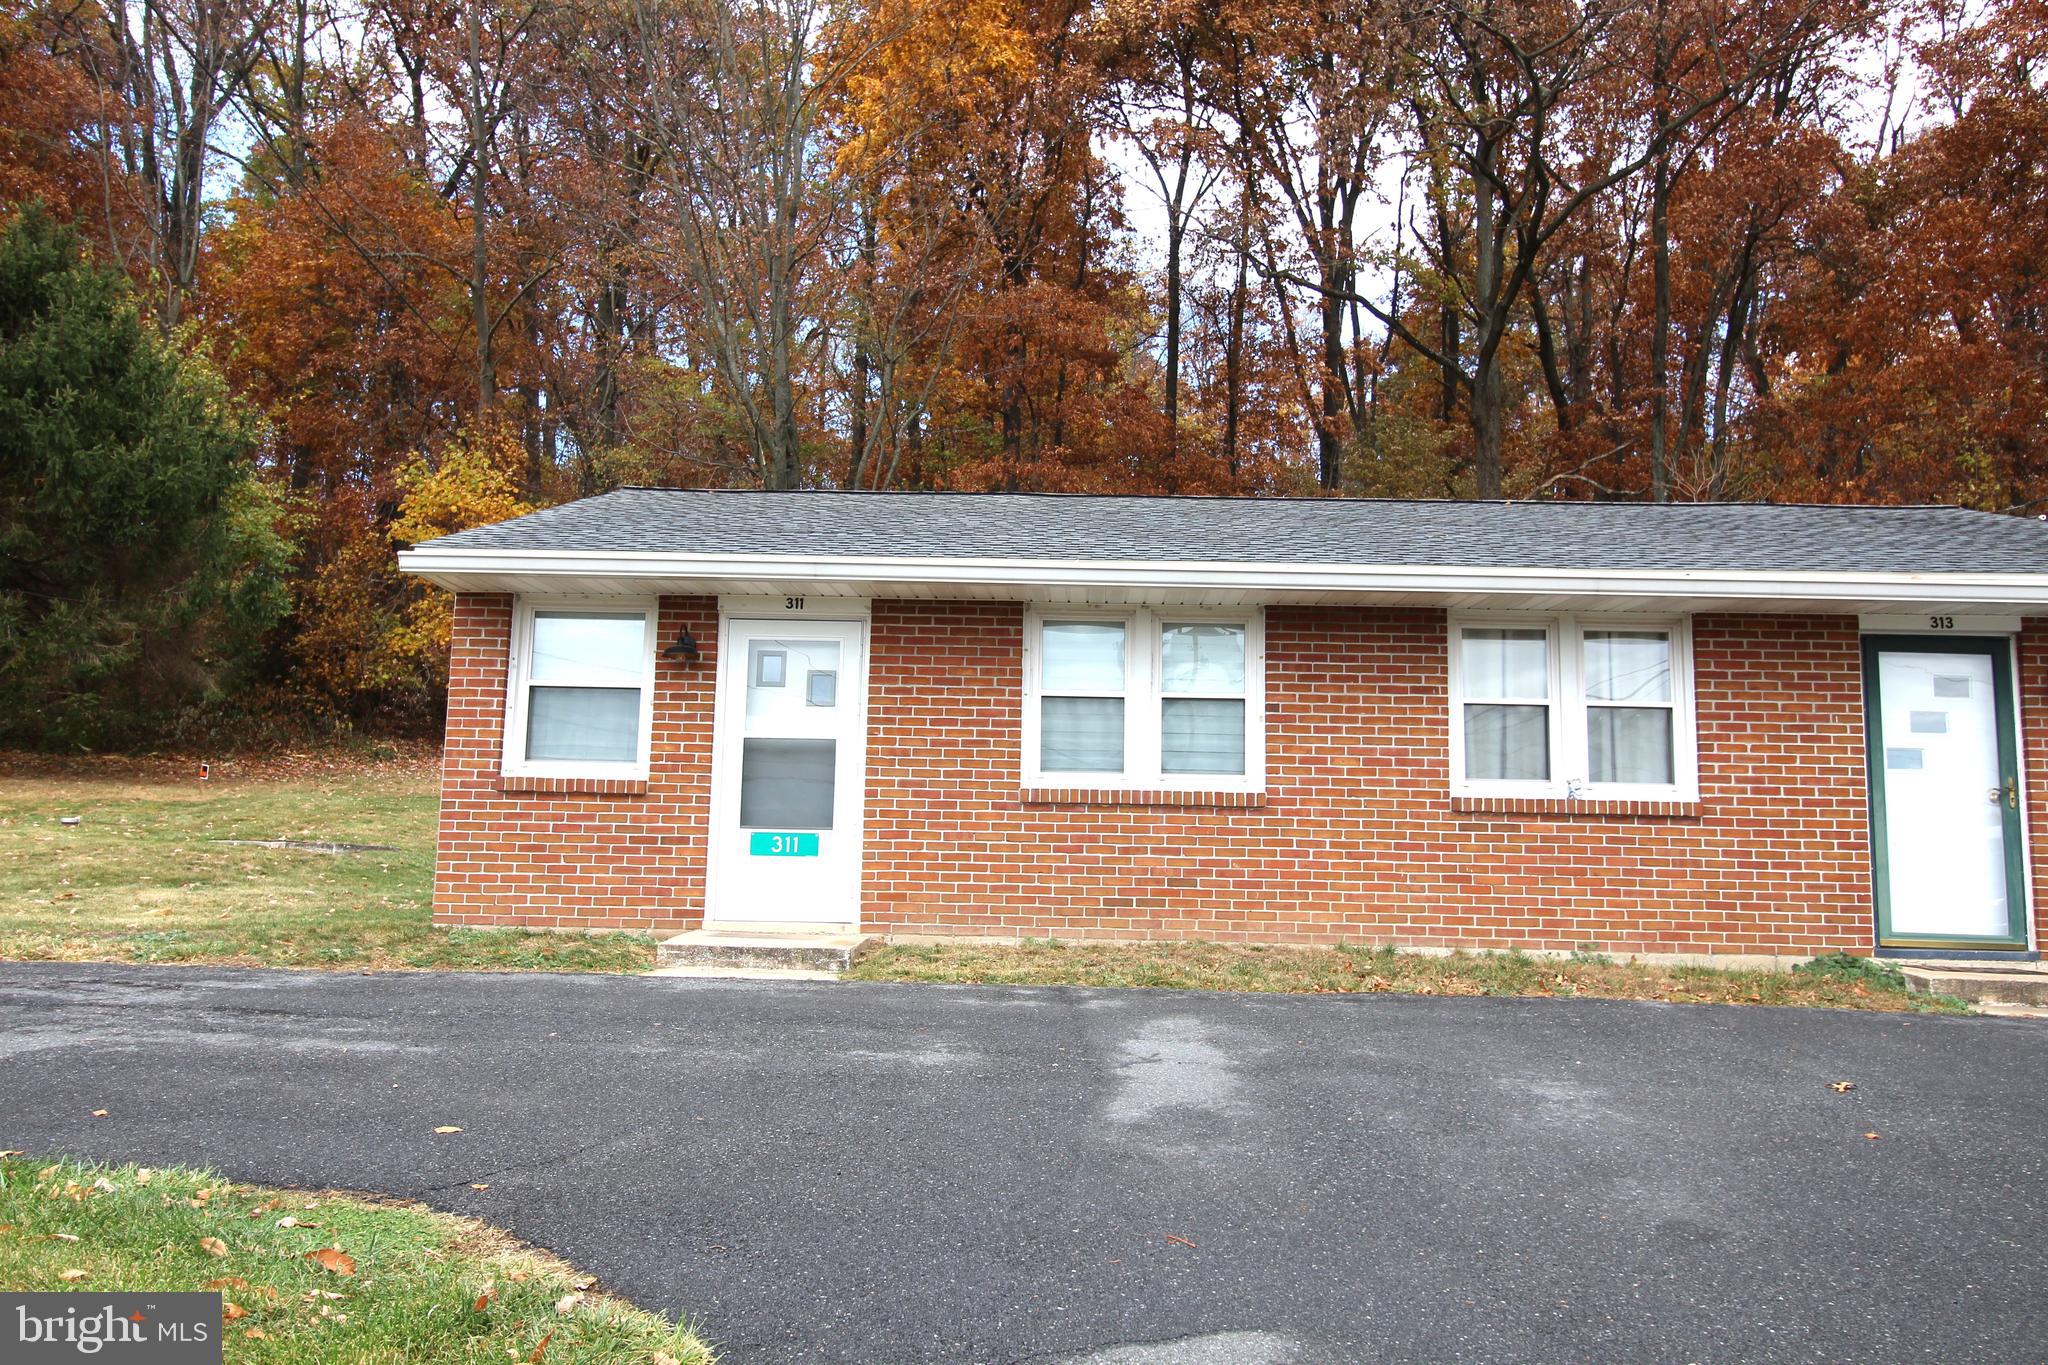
(1081, 735)
(1628, 665)
(1082, 656)
(1507, 743)
(1202, 658)
(1201, 735)
(1506, 664)
(1630, 744)
(596, 724)
(606, 648)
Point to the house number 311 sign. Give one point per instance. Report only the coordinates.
(775, 844)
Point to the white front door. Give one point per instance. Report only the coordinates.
(789, 772)
(1945, 796)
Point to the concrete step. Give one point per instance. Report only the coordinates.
(750, 951)
(1986, 983)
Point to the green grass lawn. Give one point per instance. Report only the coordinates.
(317, 1276)
(1837, 982)
(143, 876)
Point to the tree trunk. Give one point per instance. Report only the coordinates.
(1660, 273)
(479, 209)
(1488, 420)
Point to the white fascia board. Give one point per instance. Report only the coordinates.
(476, 570)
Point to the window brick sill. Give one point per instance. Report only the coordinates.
(1552, 805)
(574, 786)
(1087, 796)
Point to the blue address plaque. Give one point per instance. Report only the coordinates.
(773, 844)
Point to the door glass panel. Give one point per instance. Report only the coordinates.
(1944, 796)
(1628, 665)
(1201, 736)
(781, 684)
(1081, 735)
(822, 688)
(1083, 656)
(787, 783)
(1507, 664)
(1629, 744)
(1202, 658)
(1507, 743)
(594, 724)
(604, 648)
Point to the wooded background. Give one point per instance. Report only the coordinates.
(439, 263)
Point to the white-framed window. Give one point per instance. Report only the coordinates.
(582, 690)
(1573, 705)
(1144, 698)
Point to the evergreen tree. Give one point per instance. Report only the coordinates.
(139, 558)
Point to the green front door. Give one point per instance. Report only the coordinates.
(1944, 792)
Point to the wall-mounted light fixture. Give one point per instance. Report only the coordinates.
(684, 649)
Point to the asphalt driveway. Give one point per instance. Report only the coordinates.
(900, 1173)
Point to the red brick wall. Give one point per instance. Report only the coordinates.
(1358, 839)
(2033, 704)
(584, 858)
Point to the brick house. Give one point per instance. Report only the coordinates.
(1693, 729)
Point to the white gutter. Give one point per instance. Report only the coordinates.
(476, 569)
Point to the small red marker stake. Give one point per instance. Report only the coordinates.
(205, 771)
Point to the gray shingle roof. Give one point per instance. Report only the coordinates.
(1620, 537)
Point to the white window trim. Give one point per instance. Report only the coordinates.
(1143, 668)
(1569, 756)
(519, 679)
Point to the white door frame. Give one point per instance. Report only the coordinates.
(728, 722)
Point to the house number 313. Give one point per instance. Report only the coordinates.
(1933, 622)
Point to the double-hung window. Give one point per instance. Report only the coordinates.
(582, 692)
(1148, 698)
(1572, 705)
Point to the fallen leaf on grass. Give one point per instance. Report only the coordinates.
(71, 1276)
(447, 1128)
(257, 1332)
(483, 1301)
(230, 1310)
(540, 1350)
(65, 1236)
(333, 1259)
(1842, 1087)
(567, 1302)
(144, 1176)
(213, 1246)
(11, 1151)
(228, 1282)
(291, 1221)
